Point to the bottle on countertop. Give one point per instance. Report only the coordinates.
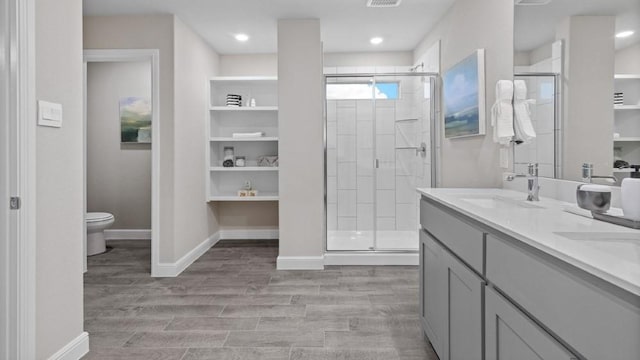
(630, 194)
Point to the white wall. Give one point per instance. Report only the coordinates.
(59, 192)
(301, 148)
(147, 32)
(186, 63)
(587, 93)
(248, 65)
(628, 60)
(195, 62)
(118, 175)
(356, 59)
(470, 25)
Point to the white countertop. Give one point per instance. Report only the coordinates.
(608, 251)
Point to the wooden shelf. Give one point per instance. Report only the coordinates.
(232, 139)
(243, 108)
(627, 76)
(244, 168)
(231, 197)
(626, 107)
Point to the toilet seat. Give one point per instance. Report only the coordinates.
(98, 216)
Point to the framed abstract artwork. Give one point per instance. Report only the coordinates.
(464, 97)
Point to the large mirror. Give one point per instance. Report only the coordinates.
(580, 63)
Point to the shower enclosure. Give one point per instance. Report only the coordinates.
(544, 149)
(379, 130)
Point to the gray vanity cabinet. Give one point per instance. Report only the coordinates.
(512, 335)
(451, 295)
(433, 292)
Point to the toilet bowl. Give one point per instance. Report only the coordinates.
(97, 222)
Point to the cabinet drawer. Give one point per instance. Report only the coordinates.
(594, 322)
(461, 238)
(510, 334)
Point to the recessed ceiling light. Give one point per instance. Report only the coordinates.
(242, 37)
(624, 34)
(376, 40)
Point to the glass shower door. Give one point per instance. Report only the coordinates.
(350, 163)
(378, 153)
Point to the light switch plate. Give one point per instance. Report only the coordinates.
(49, 114)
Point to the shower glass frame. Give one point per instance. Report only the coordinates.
(435, 98)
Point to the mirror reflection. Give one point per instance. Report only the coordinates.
(580, 61)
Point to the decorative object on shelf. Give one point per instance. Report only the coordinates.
(618, 98)
(620, 164)
(464, 101)
(248, 135)
(268, 160)
(227, 161)
(247, 190)
(135, 120)
(234, 100)
(253, 102)
(240, 161)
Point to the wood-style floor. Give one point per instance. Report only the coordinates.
(233, 304)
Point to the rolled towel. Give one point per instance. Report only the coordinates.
(523, 126)
(248, 135)
(502, 113)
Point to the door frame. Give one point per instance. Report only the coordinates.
(129, 55)
(18, 275)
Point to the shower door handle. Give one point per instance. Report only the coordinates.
(376, 164)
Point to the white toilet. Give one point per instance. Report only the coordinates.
(97, 222)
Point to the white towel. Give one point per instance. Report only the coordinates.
(523, 126)
(247, 135)
(502, 113)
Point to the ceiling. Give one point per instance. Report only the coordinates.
(536, 25)
(347, 25)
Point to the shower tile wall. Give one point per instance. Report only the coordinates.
(350, 159)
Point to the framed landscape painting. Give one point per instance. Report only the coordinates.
(463, 96)
(135, 120)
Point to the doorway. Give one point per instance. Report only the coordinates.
(120, 58)
(379, 140)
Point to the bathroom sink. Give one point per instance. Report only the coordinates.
(499, 202)
(602, 236)
(624, 246)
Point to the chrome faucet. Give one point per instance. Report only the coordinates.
(533, 189)
(587, 174)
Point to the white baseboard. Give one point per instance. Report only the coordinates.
(74, 350)
(174, 269)
(371, 259)
(300, 263)
(249, 234)
(127, 234)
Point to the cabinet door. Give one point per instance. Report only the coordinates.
(464, 299)
(510, 334)
(433, 289)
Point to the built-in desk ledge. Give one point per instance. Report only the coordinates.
(607, 251)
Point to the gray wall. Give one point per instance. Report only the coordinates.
(59, 183)
(300, 120)
(587, 89)
(195, 62)
(628, 60)
(471, 25)
(186, 62)
(118, 175)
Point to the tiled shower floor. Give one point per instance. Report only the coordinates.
(363, 240)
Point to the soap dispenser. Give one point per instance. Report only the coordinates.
(630, 194)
